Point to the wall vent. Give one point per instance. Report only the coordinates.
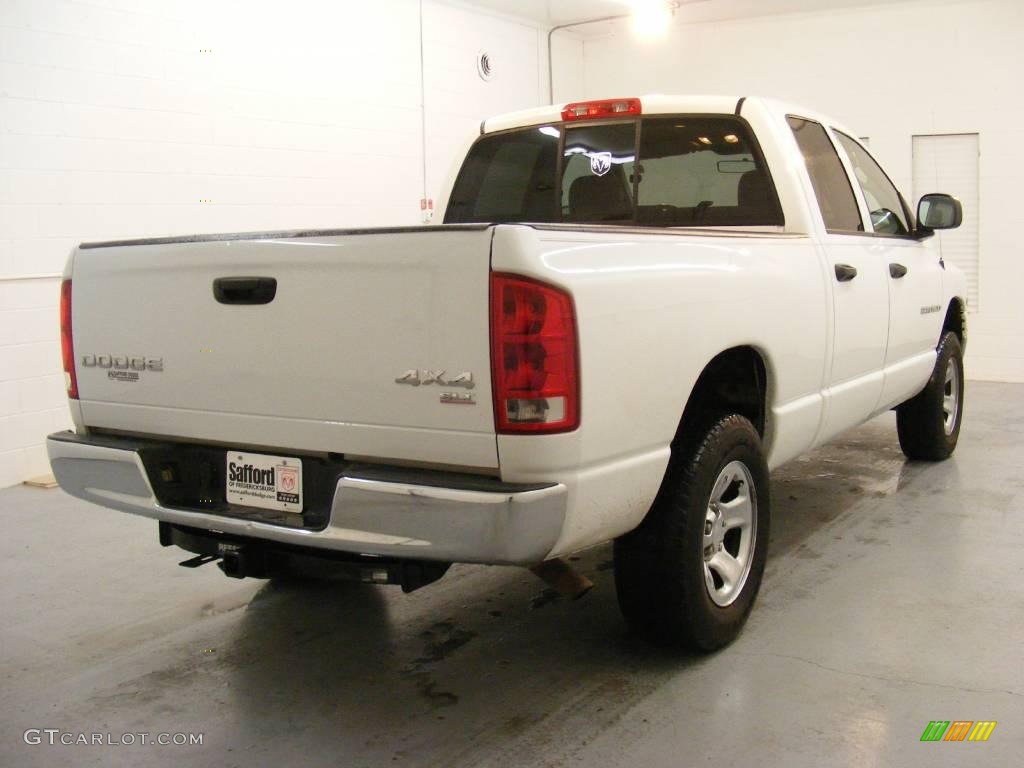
(484, 65)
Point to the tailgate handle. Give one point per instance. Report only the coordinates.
(244, 290)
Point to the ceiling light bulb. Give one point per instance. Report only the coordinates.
(651, 18)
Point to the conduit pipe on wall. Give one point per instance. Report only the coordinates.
(551, 32)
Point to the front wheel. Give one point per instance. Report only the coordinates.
(929, 423)
(689, 574)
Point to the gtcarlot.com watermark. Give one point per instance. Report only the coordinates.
(55, 736)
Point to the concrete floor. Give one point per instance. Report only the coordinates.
(894, 596)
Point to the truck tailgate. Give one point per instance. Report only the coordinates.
(315, 368)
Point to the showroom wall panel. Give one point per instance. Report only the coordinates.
(889, 71)
(456, 96)
(122, 118)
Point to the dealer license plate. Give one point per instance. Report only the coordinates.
(268, 482)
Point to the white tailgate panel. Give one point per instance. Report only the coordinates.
(315, 368)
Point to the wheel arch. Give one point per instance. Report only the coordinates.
(956, 320)
(736, 380)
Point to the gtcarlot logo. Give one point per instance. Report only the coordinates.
(54, 736)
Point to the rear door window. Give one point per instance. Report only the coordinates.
(828, 177)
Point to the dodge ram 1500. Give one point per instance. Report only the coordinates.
(633, 309)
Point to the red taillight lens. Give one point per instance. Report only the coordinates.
(67, 349)
(534, 360)
(591, 110)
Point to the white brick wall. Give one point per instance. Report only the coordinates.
(457, 99)
(31, 382)
(116, 122)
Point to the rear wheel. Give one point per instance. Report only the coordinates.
(929, 423)
(689, 574)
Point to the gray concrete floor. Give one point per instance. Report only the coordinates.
(894, 596)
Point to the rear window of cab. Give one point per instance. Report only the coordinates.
(680, 171)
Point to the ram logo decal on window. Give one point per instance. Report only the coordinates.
(600, 162)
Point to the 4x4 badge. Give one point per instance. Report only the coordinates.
(415, 377)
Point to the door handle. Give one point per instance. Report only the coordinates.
(244, 290)
(845, 273)
(897, 271)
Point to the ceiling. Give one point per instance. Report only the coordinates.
(556, 12)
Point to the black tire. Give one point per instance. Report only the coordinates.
(660, 567)
(926, 434)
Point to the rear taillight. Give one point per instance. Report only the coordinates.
(592, 110)
(67, 349)
(534, 359)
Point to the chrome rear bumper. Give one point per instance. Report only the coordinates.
(388, 517)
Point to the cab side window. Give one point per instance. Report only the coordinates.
(888, 213)
(828, 177)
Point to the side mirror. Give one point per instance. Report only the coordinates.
(938, 211)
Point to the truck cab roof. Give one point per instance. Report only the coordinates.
(663, 104)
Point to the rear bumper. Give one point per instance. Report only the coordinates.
(384, 515)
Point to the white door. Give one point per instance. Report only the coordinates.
(913, 274)
(915, 316)
(860, 291)
(949, 163)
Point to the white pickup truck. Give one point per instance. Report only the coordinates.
(633, 309)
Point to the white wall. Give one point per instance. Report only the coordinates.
(567, 60)
(889, 72)
(122, 118)
(457, 99)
